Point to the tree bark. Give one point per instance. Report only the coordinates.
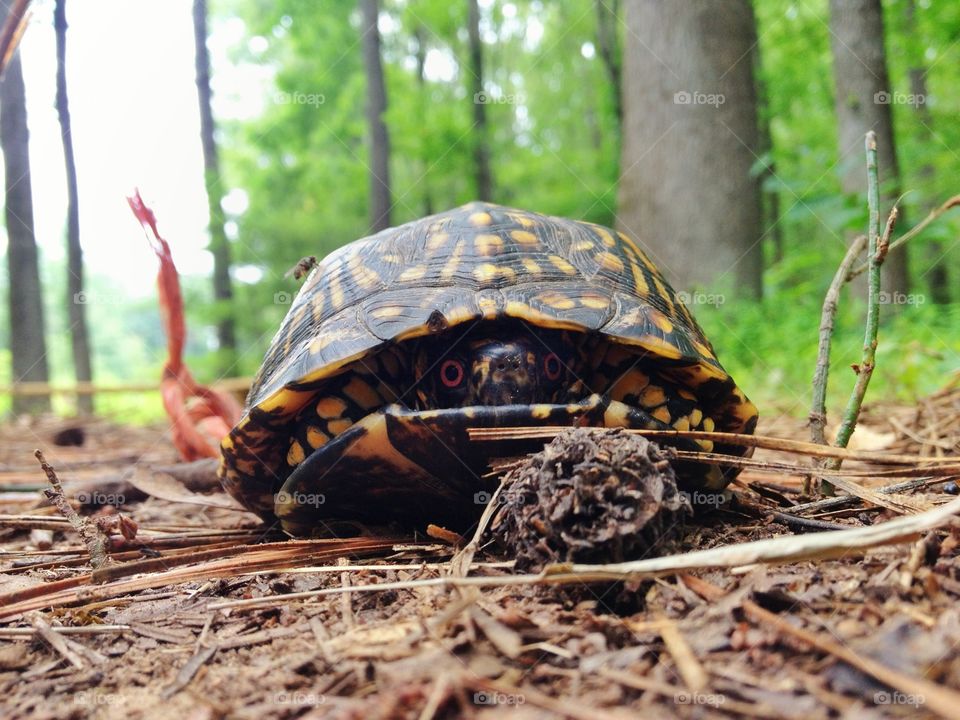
(937, 275)
(690, 138)
(27, 342)
(481, 143)
(862, 104)
(219, 245)
(76, 311)
(773, 228)
(380, 203)
(608, 12)
(420, 36)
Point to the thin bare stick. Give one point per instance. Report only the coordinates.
(818, 408)
(97, 541)
(535, 432)
(790, 548)
(914, 231)
(938, 698)
(876, 253)
(43, 629)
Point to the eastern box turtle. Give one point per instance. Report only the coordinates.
(483, 316)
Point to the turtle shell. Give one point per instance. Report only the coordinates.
(477, 262)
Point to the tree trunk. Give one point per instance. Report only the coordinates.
(608, 15)
(76, 311)
(481, 143)
(690, 138)
(27, 343)
(772, 227)
(421, 37)
(380, 203)
(219, 245)
(863, 103)
(937, 275)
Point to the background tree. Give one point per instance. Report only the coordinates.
(690, 140)
(863, 102)
(219, 245)
(380, 201)
(76, 311)
(937, 274)
(608, 43)
(481, 143)
(27, 342)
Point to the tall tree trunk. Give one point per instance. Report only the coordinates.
(608, 18)
(690, 138)
(481, 139)
(421, 37)
(772, 227)
(219, 245)
(76, 311)
(863, 103)
(27, 344)
(380, 203)
(937, 275)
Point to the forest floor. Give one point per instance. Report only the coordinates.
(190, 621)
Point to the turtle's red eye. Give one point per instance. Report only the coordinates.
(451, 373)
(552, 367)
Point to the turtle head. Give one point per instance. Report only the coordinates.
(494, 369)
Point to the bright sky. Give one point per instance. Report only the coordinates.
(133, 104)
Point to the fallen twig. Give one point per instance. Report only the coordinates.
(833, 503)
(766, 442)
(784, 549)
(55, 641)
(189, 669)
(96, 540)
(937, 698)
(160, 572)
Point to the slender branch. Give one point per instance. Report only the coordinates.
(876, 253)
(97, 542)
(916, 230)
(818, 408)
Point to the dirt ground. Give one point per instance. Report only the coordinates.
(198, 617)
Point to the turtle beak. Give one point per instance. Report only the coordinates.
(504, 377)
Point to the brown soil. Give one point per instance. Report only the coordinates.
(154, 639)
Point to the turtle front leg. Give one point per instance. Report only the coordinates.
(343, 404)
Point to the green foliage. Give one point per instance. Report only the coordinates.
(554, 136)
(555, 145)
(771, 348)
